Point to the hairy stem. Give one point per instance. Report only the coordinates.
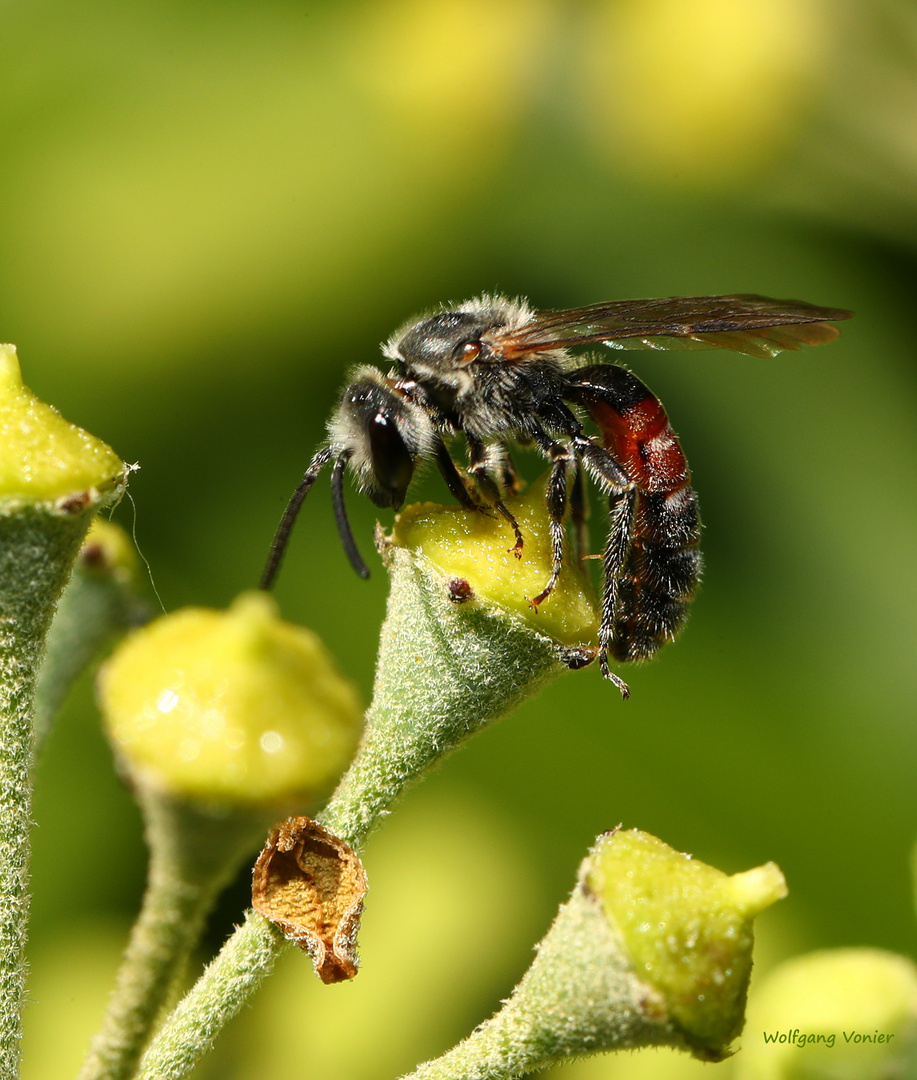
(579, 996)
(443, 673)
(192, 856)
(227, 984)
(37, 548)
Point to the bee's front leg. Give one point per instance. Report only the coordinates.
(481, 465)
(455, 482)
(502, 465)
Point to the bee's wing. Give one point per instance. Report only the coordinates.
(756, 325)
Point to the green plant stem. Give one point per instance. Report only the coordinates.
(580, 996)
(227, 984)
(193, 854)
(444, 672)
(97, 604)
(37, 548)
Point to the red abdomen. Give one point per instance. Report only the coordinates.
(643, 443)
(659, 575)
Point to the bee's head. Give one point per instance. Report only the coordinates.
(384, 435)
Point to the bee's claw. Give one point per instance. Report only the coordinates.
(610, 675)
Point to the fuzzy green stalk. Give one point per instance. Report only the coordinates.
(194, 852)
(445, 671)
(653, 948)
(581, 995)
(37, 547)
(53, 477)
(219, 994)
(99, 603)
(171, 696)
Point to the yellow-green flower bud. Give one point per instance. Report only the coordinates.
(101, 602)
(841, 1014)
(651, 949)
(45, 458)
(234, 707)
(53, 477)
(478, 549)
(687, 927)
(108, 549)
(461, 644)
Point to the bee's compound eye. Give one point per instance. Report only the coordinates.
(392, 461)
(471, 350)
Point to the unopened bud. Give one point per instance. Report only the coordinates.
(478, 549)
(45, 459)
(652, 949)
(687, 927)
(461, 644)
(234, 707)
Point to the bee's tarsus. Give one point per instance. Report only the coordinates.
(610, 675)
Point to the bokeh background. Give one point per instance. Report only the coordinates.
(209, 211)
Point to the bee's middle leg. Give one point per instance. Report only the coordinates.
(562, 457)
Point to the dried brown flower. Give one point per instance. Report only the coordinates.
(311, 885)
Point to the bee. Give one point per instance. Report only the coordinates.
(497, 372)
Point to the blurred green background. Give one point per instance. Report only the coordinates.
(209, 211)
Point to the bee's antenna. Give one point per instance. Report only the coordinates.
(340, 515)
(282, 536)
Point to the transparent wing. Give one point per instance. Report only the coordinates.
(755, 325)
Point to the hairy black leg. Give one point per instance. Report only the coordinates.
(510, 480)
(617, 548)
(479, 465)
(579, 510)
(609, 474)
(561, 456)
(622, 501)
(454, 480)
(500, 469)
(282, 535)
